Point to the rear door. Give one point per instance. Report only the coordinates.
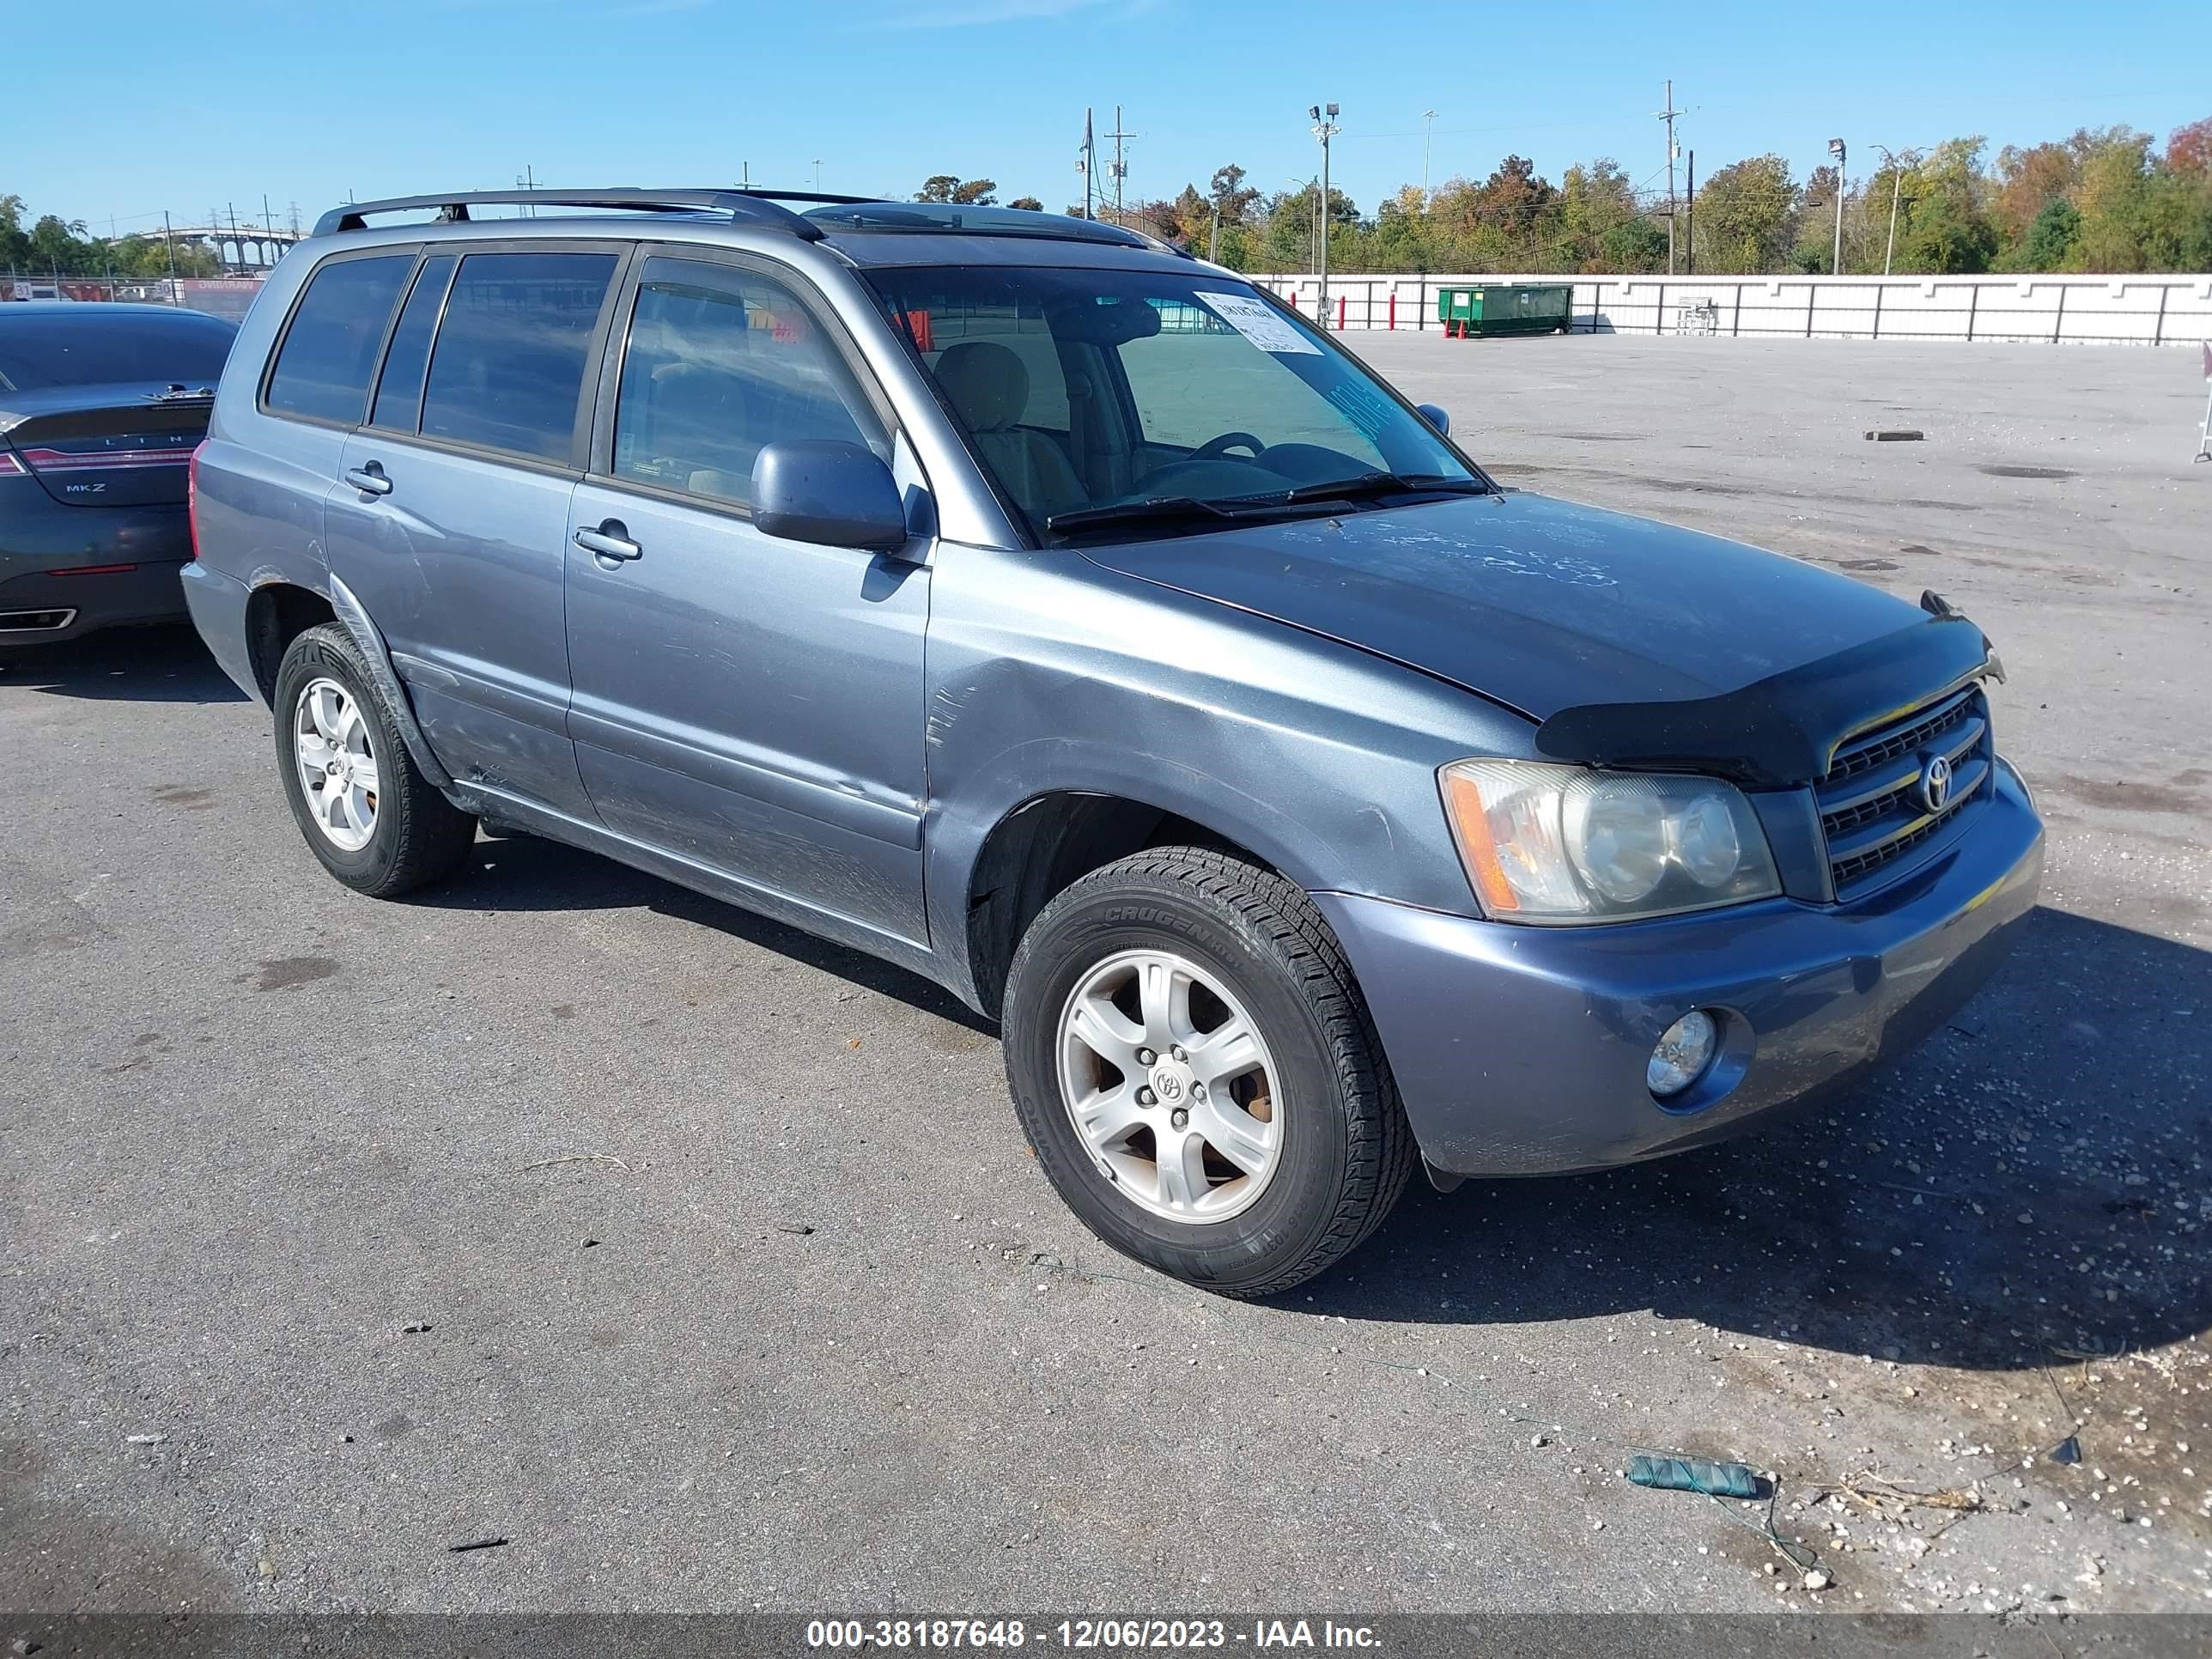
(265, 479)
(451, 518)
(751, 704)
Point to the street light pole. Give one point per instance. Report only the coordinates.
(1428, 136)
(1836, 264)
(1324, 128)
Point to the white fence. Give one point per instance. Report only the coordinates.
(2053, 310)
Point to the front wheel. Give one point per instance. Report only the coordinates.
(1196, 1070)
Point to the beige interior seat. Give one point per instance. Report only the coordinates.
(989, 388)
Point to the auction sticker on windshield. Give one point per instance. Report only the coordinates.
(1257, 322)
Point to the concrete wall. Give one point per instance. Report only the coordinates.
(2075, 310)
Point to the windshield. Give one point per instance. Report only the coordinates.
(1104, 400)
(96, 346)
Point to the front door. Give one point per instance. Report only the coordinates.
(751, 705)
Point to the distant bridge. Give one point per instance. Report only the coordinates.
(242, 247)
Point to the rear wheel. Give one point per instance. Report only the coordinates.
(372, 818)
(1192, 1063)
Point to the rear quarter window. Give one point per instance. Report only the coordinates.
(329, 352)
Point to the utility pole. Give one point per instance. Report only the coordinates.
(744, 175)
(817, 175)
(1428, 136)
(169, 246)
(1121, 162)
(268, 219)
(1836, 150)
(528, 180)
(1088, 167)
(239, 246)
(1690, 215)
(1325, 128)
(1896, 189)
(1668, 115)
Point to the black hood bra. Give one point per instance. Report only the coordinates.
(1782, 731)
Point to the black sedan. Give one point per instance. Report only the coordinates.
(100, 409)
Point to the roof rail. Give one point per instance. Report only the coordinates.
(745, 205)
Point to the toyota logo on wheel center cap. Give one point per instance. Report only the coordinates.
(1171, 1082)
(1935, 783)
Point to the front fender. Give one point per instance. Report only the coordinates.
(1047, 675)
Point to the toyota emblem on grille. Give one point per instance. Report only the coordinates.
(1935, 783)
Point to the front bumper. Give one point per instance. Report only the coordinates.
(1521, 1050)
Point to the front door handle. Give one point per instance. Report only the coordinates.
(370, 479)
(610, 541)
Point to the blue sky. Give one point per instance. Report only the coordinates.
(122, 108)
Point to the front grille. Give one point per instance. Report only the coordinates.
(1873, 812)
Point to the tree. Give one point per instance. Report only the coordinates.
(976, 192)
(2189, 150)
(2051, 238)
(2115, 166)
(1596, 204)
(938, 187)
(1947, 230)
(1027, 203)
(1813, 249)
(2028, 181)
(1232, 197)
(1746, 215)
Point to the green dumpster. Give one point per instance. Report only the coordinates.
(1505, 308)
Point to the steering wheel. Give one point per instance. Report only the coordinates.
(1213, 448)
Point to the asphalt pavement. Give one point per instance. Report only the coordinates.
(703, 1264)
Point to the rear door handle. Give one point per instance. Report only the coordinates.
(610, 541)
(370, 479)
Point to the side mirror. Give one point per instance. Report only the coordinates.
(1435, 415)
(821, 490)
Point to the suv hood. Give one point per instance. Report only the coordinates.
(1539, 604)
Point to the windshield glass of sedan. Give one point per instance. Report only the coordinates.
(48, 349)
(1088, 391)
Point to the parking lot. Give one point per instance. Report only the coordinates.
(705, 1266)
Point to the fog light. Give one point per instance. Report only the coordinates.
(1683, 1052)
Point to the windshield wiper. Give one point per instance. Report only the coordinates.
(1378, 483)
(1159, 508)
(1244, 508)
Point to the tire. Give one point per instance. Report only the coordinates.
(384, 840)
(1332, 1150)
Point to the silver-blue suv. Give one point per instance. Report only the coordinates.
(1022, 601)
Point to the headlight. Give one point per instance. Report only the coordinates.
(1567, 843)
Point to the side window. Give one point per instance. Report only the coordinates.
(720, 362)
(399, 389)
(509, 363)
(329, 352)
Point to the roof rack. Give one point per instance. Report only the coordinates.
(746, 206)
(969, 219)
